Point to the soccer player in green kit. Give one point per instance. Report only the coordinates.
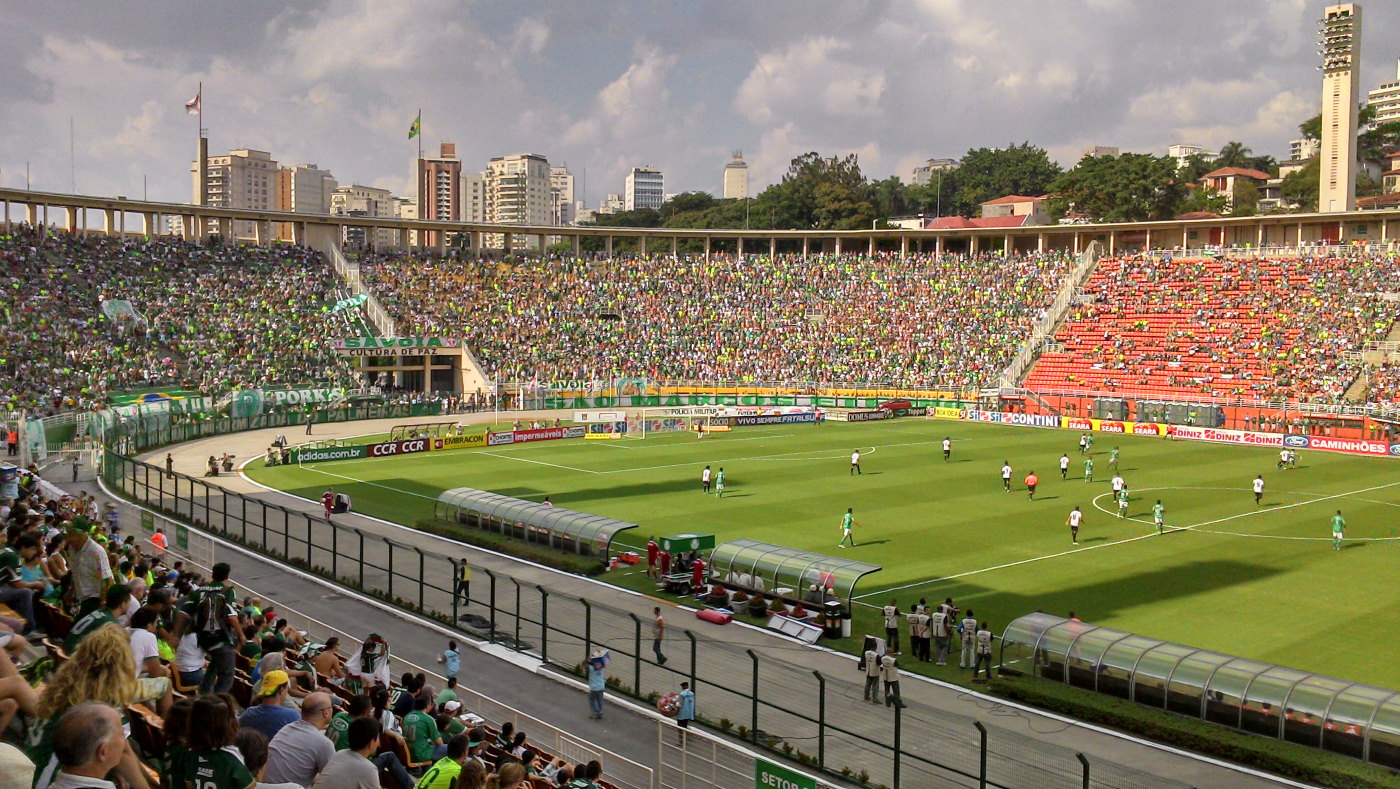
(719, 484)
(1113, 459)
(1123, 502)
(1088, 469)
(1159, 514)
(848, 522)
(1338, 529)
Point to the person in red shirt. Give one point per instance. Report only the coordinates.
(1031, 481)
(665, 563)
(652, 550)
(328, 500)
(697, 574)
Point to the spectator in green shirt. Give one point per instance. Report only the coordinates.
(454, 725)
(443, 774)
(114, 603)
(448, 693)
(420, 731)
(339, 729)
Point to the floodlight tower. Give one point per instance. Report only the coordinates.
(1340, 36)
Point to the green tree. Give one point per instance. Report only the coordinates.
(1205, 198)
(1234, 154)
(1245, 201)
(890, 197)
(1312, 127)
(798, 201)
(1300, 187)
(1129, 188)
(1196, 166)
(1264, 164)
(1366, 186)
(988, 173)
(641, 217)
(684, 202)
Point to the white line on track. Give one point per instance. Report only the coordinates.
(1071, 552)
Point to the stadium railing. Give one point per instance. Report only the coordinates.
(773, 704)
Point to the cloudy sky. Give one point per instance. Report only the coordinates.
(604, 86)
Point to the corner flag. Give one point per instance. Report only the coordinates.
(417, 127)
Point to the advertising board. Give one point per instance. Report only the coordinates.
(774, 419)
(1222, 436)
(392, 448)
(457, 442)
(326, 454)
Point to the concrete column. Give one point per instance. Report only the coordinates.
(149, 222)
(707, 248)
(404, 238)
(904, 246)
(258, 237)
(1076, 242)
(1385, 225)
(1039, 242)
(641, 245)
(507, 243)
(870, 247)
(72, 218)
(1147, 243)
(739, 246)
(7, 216)
(773, 247)
(109, 221)
(675, 241)
(226, 228)
(972, 245)
(299, 233)
(477, 242)
(838, 245)
(1299, 242)
(1112, 241)
(428, 369)
(938, 246)
(577, 239)
(608, 247)
(1184, 239)
(806, 246)
(542, 241)
(1006, 245)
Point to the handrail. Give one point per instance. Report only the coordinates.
(373, 309)
(1044, 327)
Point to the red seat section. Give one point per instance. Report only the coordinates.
(1272, 329)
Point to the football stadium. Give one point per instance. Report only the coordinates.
(1067, 470)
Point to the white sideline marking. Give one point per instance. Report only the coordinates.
(539, 462)
(1197, 527)
(1119, 542)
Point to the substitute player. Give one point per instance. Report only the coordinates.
(1259, 490)
(947, 448)
(1031, 481)
(1064, 465)
(328, 501)
(1159, 514)
(1088, 469)
(848, 523)
(705, 480)
(1075, 518)
(855, 464)
(719, 483)
(1339, 528)
(1006, 476)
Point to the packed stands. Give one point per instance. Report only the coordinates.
(1272, 329)
(203, 317)
(1383, 384)
(919, 321)
(141, 646)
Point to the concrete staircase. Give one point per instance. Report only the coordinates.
(1054, 316)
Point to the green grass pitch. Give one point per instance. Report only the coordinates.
(1257, 581)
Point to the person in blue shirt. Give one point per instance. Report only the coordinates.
(597, 682)
(451, 660)
(686, 714)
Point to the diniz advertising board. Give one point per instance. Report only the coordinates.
(1221, 436)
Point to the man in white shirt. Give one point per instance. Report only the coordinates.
(87, 742)
(947, 449)
(1075, 518)
(967, 628)
(855, 463)
(984, 651)
(1117, 485)
(891, 613)
(1064, 466)
(1006, 475)
(153, 677)
(1259, 490)
(189, 661)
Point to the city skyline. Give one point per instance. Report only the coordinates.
(675, 86)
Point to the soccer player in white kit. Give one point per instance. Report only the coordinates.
(705, 480)
(1075, 518)
(855, 463)
(1064, 466)
(1259, 490)
(947, 449)
(1282, 458)
(1006, 475)
(1117, 484)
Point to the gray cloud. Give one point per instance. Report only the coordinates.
(673, 84)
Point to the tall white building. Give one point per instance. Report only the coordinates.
(736, 178)
(561, 188)
(643, 189)
(1303, 148)
(242, 178)
(473, 201)
(923, 174)
(366, 201)
(1182, 153)
(1340, 30)
(518, 190)
(1386, 100)
(612, 204)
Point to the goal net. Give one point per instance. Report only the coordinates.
(423, 430)
(649, 422)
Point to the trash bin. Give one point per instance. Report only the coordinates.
(833, 619)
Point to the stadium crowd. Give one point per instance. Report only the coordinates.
(209, 317)
(1273, 329)
(919, 321)
(155, 675)
(1383, 383)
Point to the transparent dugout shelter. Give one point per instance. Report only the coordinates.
(566, 530)
(763, 567)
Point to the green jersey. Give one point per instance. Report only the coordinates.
(421, 731)
(1089, 466)
(442, 775)
(1158, 511)
(85, 627)
(1123, 497)
(10, 563)
(719, 479)
(1338, 524)
(848, 521)
(340, 729)
(1113, 458)
(215, 770)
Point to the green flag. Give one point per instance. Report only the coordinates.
(417, 127)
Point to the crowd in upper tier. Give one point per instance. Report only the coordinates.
(950, 322)
(201, 317)
(1276, 329)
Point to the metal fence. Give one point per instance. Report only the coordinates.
(815, 719)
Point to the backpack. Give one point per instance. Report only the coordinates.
(211, 618)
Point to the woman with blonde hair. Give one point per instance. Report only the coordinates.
(473, 775)
(510, 776)
(101, 669)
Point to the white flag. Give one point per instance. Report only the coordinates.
(192, 106)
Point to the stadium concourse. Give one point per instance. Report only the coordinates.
(927, 700)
